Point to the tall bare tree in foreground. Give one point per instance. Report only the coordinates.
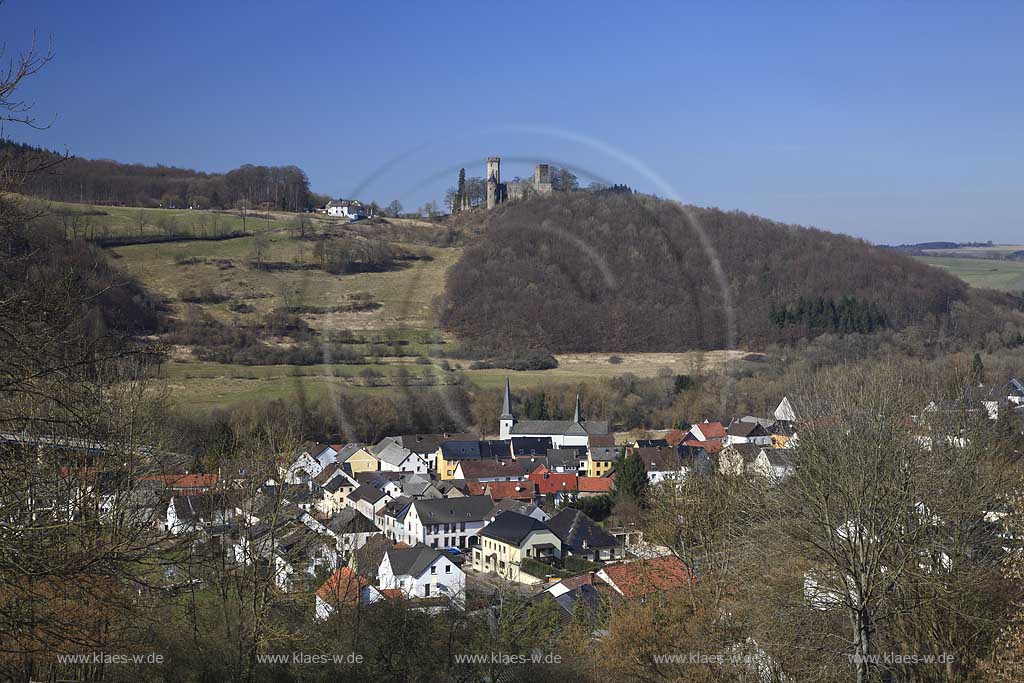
(878, 546)
(73, 412)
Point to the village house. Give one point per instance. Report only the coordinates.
(555, 487)
(528, 509)
(641, 579)
(350, 529)
(533, 447)
(333, 491)
(1015, 392)
(584, 538)
(707, 431)
(744, 458)
(573, 459)
(393, 457)
(362, 460)
(508, 540)
(300, 553)
(448, 522)
(661, 463)
(200, 512)
(495, 470)
(344, 589)
(366, 560)
(390, 519)
(367, 499)
(522, 491)
(601, 459)
(747, 432)
(594, 486)
(426, 445)
(751, 459)
(186, 484)
(345, 208)
(451, 453)
(576, 597)
(422, 572)
(302, 469)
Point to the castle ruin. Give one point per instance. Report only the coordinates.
(514, 190)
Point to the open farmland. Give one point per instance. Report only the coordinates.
(981, 271)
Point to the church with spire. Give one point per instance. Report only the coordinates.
(563, 433)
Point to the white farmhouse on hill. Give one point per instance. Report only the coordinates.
(345, 208)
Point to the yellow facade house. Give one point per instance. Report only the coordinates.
(508, 540)
(363, 460)
(601, 459)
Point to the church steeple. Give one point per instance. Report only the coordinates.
(506, 421)
(506, 406)
(577, 417)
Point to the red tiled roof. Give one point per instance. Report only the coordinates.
(186, 481)
(643, 577)
(393, 593)
(549, 482)
(674, 437)
(601, 440)
(343, 587)
(709, 446)
(595, 484)
(712, 430)
(576, 581)
(517, 490)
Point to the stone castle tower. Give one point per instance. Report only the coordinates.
(540, 174)
(493, 181)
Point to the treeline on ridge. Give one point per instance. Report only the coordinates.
(579, 272)
(107, 182)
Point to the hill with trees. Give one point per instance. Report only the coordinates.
(58, 177)
(578, 272)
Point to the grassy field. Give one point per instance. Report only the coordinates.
(202, 385)
(404, 295)
(111, 221)
(982, 272)
(402, 321)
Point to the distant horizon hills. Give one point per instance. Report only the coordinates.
(123, 170)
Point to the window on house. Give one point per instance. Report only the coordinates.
(447, 569)
(433, 570)
(426, 590)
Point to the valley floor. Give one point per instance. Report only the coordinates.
(202, 385)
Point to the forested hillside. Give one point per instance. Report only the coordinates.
(579, 272)
(102, 181)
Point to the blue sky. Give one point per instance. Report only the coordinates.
(895, 122)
